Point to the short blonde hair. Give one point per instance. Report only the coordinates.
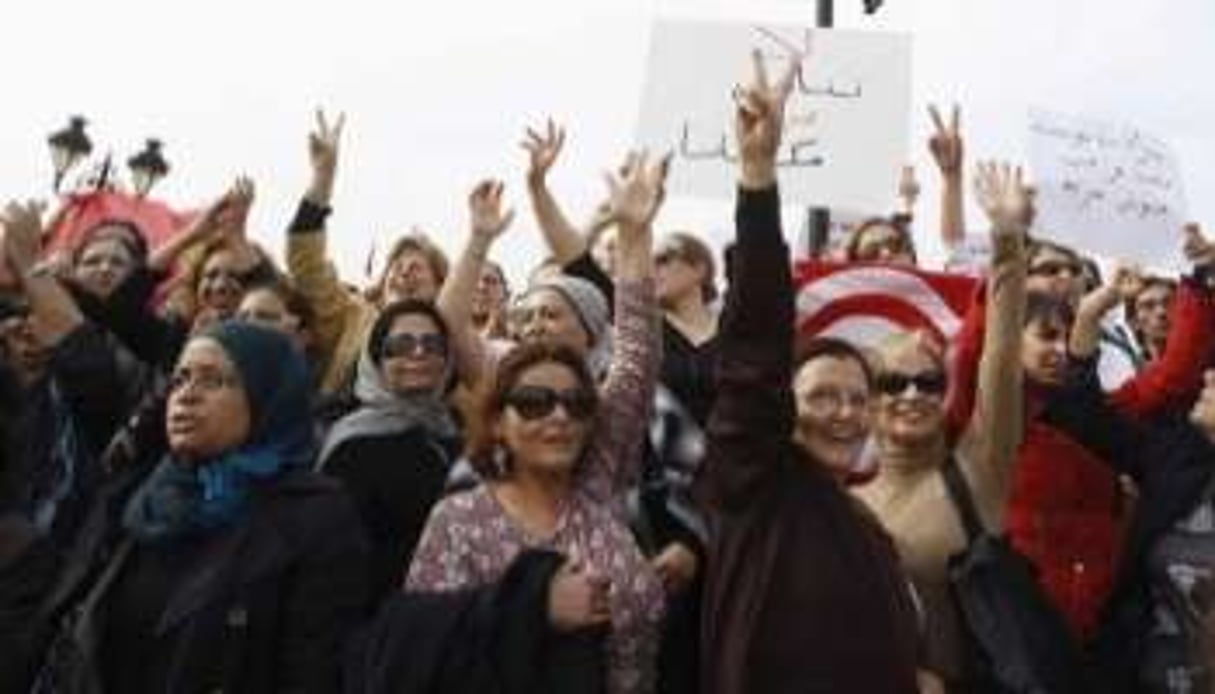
(922, 341)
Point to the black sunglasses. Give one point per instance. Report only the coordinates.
(928, 383)
(406, 344)
(535, 402)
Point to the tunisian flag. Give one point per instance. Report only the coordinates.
(865, 302)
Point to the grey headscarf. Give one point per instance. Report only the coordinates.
(383, 412)
(591, 307)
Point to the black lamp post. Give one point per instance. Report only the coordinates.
(68, 147)
(148, 167)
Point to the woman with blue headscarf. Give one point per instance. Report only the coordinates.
(230, 566)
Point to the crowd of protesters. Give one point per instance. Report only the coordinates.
(222, 474)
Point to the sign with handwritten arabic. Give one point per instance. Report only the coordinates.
(846, 127)
(1108, 189)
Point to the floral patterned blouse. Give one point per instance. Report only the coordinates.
(470, 539)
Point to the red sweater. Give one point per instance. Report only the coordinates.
(1063, 509)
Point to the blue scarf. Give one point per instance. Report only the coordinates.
(182, 498)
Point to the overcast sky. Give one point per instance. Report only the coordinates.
(437, 93)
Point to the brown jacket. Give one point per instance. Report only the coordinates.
(803, 588)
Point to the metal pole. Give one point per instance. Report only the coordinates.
(819, 218)
(826, 14)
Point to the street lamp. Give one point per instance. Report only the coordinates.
(68, 147)
(147, 167)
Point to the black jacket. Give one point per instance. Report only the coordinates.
(495, 639)
(27, 567)
(394, 480)
(81, 393)
(1172, 463)
(269, 609)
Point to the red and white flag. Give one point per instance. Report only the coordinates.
(81, 211)
(864, 303)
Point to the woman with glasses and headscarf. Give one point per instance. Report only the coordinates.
(393, 450)
(227, 566)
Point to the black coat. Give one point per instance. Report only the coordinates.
(267, 610)
(27, 567)
(1172, 463)
(394, 481)
(493, 639)
(82, 389)
(803, 588)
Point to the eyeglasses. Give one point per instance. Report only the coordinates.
(207, 380)
(408, 344)
(894, 383)
(1054, 268)
(833, 400)
(535, 402)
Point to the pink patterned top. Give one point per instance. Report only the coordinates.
(470, 539)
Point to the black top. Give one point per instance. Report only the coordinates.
(262, 606)
(1172, 463)
(394, 481)
(687, 369)
(133, 659)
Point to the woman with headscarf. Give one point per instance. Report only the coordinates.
(394, 450)
(229, 566)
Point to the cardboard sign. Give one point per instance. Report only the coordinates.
(1107, 189)
(846, 125)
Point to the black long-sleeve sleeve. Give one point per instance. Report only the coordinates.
(126, 313)
(752, 418)
(1083, 410)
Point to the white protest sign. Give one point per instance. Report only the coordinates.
(1107, 189)
(846, 127)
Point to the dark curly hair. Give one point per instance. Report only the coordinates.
(481, 440)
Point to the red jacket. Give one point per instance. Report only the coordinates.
(1063, 509)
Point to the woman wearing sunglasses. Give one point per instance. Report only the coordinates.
(557, 452)
(394, 447)
(803, 591)
(908, 494)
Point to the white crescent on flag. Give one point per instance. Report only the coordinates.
(864, 303)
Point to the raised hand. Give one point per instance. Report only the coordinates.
(637, 191)
(945, 144)
(23, 234)
(235, 211)
(1005, 197)
(543, 150)
(489, 220)
(1197, 248)
(759, 121)
(323, 145)
(1124, 284)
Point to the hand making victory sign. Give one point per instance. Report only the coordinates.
(759, 121)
